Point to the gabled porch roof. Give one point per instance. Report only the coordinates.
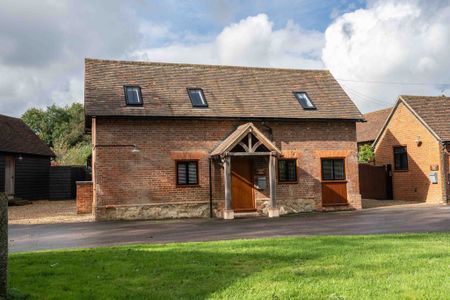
(237, 136)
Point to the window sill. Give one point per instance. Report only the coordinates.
(334, 181)
(287, 182)
(187, 185)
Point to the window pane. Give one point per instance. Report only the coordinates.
(397, 161)
(400, 158)
(327, 169)
(404, 161)
(197, 98)
(282, 170)
(304, 100)
(133, 96)
(181, 173)
(192, 167)
(400, 150)
(287, 170)
(339, 173)
(291, 172)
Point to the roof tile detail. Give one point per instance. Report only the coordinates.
(368, 131)
(434, 111)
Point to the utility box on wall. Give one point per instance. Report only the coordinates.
(433, 177)
(260, 182)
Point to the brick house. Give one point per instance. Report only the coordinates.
(181, 140)
(415, 143)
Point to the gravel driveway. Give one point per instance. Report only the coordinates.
(47, 212)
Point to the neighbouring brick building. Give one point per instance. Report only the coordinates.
(180, 140)
(415, 141)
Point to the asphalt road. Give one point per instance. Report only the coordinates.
(94, 234)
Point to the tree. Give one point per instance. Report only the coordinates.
(62, 128)
(365, 154)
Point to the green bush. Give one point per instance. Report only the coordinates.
(365, 154)
(62, 128)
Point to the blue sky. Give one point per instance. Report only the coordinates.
(209, 17)
(377, 49)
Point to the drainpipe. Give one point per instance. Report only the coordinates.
(210, 189)
(263, 123)
(445, 183)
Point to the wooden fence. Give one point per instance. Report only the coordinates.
(375, 182)
(63, 181)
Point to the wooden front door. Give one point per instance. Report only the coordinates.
(242, 192)
(10, 173)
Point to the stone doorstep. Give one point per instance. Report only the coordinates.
(244, 215)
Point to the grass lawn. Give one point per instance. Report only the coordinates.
(414, 266)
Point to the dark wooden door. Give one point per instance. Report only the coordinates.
(373, 182)
(10, 173)
(334, 193)
(242, 193)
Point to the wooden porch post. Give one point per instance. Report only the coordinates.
(228, 212)
(273, 209)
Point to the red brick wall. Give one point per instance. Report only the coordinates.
(84, 197)
(447, 172)
(414, 184)
(124, 178)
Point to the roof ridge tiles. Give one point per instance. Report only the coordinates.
(205, 65)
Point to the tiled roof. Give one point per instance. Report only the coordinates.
(434, 111)
(368, 131)
(17, 137)
(230, 91)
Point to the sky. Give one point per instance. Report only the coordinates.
(376, 49)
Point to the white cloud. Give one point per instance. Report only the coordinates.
(43, 44)
(390, 41)
(252, 42)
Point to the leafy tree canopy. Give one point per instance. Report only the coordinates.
(62, 128)
(365, 154)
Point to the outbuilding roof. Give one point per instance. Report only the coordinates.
(235, 92)
(368, 131)
(16, 137)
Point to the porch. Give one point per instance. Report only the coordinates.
(237, 155)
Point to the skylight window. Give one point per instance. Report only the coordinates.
(133, 95)
(197, 98)
(304, 100)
